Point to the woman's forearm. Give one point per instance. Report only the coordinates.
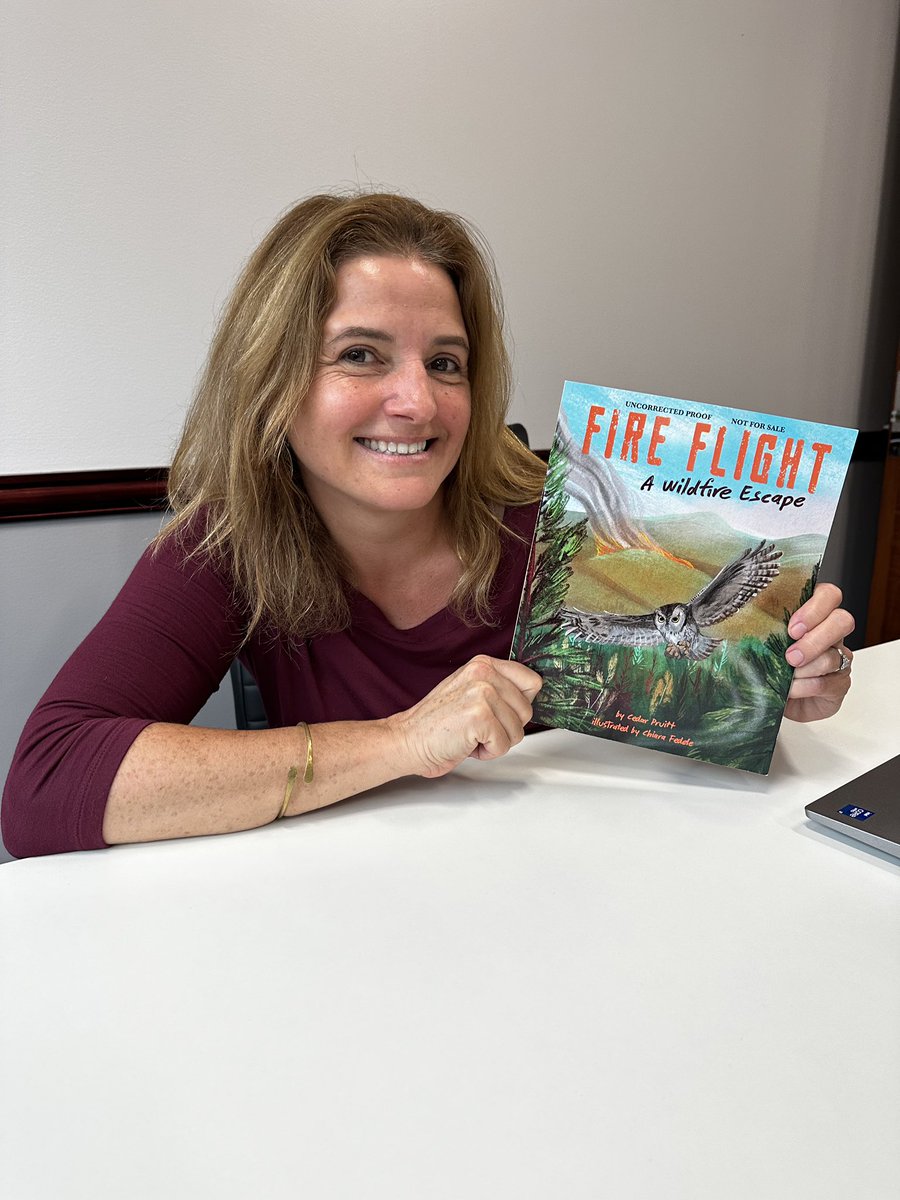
(182, 781)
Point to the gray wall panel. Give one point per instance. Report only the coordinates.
(57, 578)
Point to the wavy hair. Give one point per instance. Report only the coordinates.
(234, 475)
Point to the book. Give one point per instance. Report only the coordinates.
(674, 541)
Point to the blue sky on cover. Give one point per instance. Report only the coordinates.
(765, 520)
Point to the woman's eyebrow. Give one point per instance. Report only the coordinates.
(452, 339)
(379, 335)
(360, 331)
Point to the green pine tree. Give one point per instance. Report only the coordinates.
(557, 542)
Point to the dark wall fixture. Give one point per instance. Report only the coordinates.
(82, 493)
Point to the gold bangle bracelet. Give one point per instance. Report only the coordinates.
(288, 792)
(308, 771)
(295, 771)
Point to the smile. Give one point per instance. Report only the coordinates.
(393, 447)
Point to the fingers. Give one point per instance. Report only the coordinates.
(814, 697)
(829, 662)
(825, 598)
(481, 710)
(819, 625)
(500, 702)
(528, 682)
(498, 729)
(835, 684)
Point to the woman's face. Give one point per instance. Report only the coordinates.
(385, 419)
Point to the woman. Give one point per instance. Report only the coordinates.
(353, 517)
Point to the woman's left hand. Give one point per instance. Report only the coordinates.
(819, 656)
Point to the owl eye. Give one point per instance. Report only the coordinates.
(660, 619)
(678, 616)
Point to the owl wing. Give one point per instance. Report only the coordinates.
(702, 646)
(728, 592)
(614, 629)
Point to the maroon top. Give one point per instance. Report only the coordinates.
(163, 647)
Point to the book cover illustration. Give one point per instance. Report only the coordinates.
(673, 542)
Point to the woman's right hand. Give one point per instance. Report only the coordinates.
(479, 711)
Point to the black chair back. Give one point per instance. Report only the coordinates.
(249, 712)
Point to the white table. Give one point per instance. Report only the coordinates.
(587, 970)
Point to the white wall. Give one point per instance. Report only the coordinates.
(57, 578)
(682, 196)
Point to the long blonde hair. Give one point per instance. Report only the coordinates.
(234, 471)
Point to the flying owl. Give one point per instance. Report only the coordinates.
(677, 626)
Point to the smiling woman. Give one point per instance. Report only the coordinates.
(352, 517)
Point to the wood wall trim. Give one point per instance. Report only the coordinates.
(82, 493)
(883, 624)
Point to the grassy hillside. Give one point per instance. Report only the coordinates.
(637, 581)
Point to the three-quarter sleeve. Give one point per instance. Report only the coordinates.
(158, 654)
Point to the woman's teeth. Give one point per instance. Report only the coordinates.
(394, 447)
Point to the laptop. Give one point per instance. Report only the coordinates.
(867, 808)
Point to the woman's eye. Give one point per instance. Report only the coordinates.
(445, 366)
(359, 356)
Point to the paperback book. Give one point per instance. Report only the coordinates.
(674, 541)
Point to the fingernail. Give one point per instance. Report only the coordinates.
(797, 629)
(794, 656)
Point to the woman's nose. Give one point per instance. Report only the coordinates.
(411, 393)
